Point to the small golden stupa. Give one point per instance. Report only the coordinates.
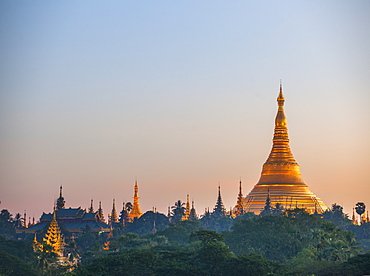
(136, 211)
(281, 176)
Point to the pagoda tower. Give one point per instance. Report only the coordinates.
(60, 201)
(219, 209)
(187, 209)
(281, 174)
(25, 220)
(100, 213)
(135, 212)
(113, 217)
(193, 213)
(239, 208)
(53, 236)
(91, 209)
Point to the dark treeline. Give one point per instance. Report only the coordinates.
(288, 243)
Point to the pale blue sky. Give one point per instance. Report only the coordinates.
(181, 95)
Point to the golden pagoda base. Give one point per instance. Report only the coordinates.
(289, 196)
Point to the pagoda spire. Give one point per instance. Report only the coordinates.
(60, 201)
(219, 209)
(91, 209)
(239, 208)
(25, 219)
(135, 212)
(280, 167)
(113, 216)
(187, 209)
(100, 213)
(193, 213)
(53, 236)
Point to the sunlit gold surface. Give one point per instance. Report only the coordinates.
(136, 211)
(281, 174)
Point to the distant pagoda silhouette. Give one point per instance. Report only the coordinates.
(281, 177)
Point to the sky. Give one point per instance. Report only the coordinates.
(180, 95)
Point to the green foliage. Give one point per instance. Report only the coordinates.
(355, 266)
(252, 265)
(13, 265)
(146, 223)
(360, 208)
(276, 238)
(179, 233)
(178, 210)
(336, 215)
(362, 233)
(20, 249)
(7, 226)
(282, 238)
(213, 252)
(218, 224)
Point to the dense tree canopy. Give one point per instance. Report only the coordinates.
(292, 242)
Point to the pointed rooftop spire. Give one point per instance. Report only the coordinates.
(219, 209)
(135, 212)
(100, 213)
(280, 167)
(114, 216)
(239, 208)
(25, 219)
(91, 209)
(60, 201)
(187, 209)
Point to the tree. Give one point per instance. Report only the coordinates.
(6, 224)
(124, 215)
(213, 252)
(13, 265)
(149, 222)
(336, 215)
(360, 209)
(274, 237)
(46, 259)
(5, 215)
(178, 210)
(251, 265)
(18, 220)
(179, 233)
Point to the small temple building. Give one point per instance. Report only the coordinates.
(73, 220)
(281, 178)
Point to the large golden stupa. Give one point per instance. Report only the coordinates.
(281, 176)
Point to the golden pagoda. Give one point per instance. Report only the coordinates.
(53, 237)
(187, 209)
(281, 175)
(113, 218)
(135, 212)
(354, 220)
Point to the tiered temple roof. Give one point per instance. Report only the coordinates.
(73, 220)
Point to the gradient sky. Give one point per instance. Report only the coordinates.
(181, 95)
